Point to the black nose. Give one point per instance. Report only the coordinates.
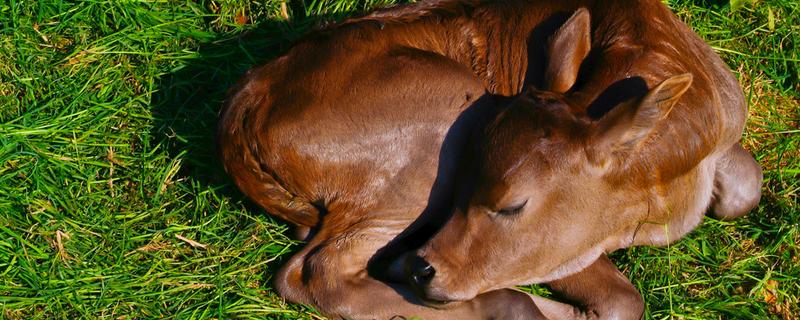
(420, 271)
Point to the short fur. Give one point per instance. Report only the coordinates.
(357, 133)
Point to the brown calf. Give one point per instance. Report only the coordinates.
(357, 135)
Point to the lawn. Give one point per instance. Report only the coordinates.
(113, 204)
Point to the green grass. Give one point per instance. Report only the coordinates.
(113, 205)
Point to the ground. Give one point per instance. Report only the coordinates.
(113, 204)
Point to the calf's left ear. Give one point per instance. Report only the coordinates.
(566, 51)
(624, 128)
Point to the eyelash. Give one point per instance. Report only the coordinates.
(512, 211)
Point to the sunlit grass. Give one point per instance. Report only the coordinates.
(112, 203)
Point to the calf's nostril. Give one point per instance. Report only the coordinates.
(421, 271)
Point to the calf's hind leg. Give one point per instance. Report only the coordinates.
(737, 184)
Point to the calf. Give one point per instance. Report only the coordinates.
(357, 133)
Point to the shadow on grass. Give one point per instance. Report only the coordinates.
(187, 103)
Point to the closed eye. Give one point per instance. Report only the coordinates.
(513, 209)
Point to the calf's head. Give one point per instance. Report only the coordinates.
(540, 207)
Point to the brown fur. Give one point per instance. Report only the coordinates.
(358, 131)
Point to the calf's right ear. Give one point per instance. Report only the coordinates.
(567, 49)
(626, 126)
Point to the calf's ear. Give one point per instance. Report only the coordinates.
(627, 125)
(566, 50)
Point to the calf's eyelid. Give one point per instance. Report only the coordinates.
(512, 210)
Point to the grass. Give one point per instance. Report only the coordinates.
(113, 205)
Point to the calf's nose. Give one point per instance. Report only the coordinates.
(420, 271)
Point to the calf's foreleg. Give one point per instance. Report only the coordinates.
(331, 275)
(600, 291)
